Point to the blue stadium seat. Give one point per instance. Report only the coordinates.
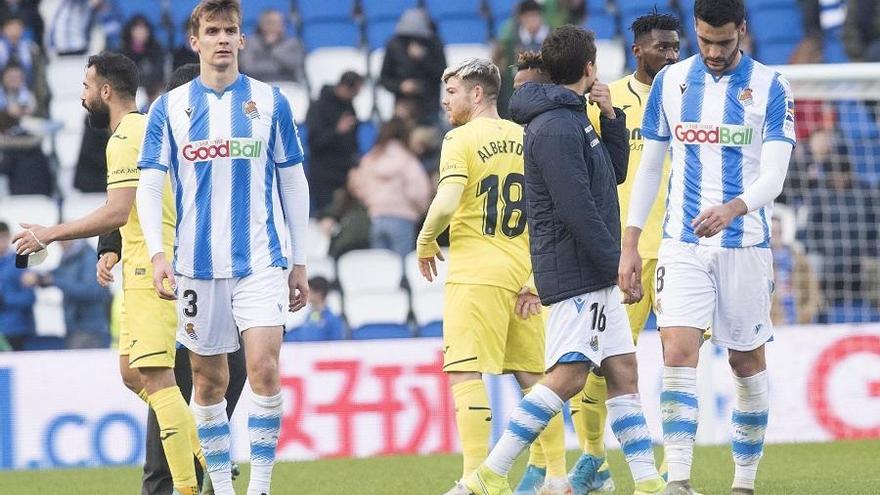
(331, 33)
(501, 10)
(379, 32)
(604, 25)
(366, 133)
(381, 331)
(324, 10)
(39, 343)
(635, 8)
(385, 9)
(833, 50)
(463, 30)
(440, 9)
(776, 24)
(252, 9)
(433, 329)
(758, 5)
(776, 52)
(597, 7)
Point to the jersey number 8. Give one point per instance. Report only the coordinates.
(512, 207)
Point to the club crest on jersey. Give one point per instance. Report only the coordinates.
(745, 97)
(594, 343)
(250, 110)
(191, 331)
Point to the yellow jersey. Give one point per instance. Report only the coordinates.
(488, 236)
(123, 150)
(630, 95)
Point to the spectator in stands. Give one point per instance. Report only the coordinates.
(525, 31)
(272, 55)
(29, 12)
(560, 12)
(16, 50)
(346, 222)
(842, 227)
(86, 303)
(139, 44)
(16, 101)
(16, 299)
(392, 184)
(414, 62)
(332, 138)
(796, 295)
(71, 29)
(321, 323)
(184, 53)
(22, 159)
(861, 31)
(424, 141)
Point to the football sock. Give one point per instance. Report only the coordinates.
(527, 421)
(749, 424)
(213, 428)
(552, 442)
(264, 424)
(678, 412)
(594, 414)
(473, 416)
(536, 452)
(174, 423)
(629, 426)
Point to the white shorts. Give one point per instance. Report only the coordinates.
(594, 325)
(211, 313)
(727, 289)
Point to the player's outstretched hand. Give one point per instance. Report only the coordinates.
(298, 281)
(32, 239)
(527, 304)
(600, 94)
(428, 263)
(104, 268)
(162, 271)
(716, 218)
(629, 276)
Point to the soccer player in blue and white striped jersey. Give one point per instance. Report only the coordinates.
(729, 122)
(231, 147)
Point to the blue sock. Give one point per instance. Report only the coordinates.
(213, 428)
(679, 411)
(264, 425)
(749, 424)
(629, 426)
(527, 422)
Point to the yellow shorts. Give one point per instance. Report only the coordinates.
(638, 313)
(482, 334)
(147, 329)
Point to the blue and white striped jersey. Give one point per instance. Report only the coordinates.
(717, 127)
(222, 151)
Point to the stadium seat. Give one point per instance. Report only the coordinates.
(298, 96)
(427, 297)
(375, 305)
(463, 30)
(597, 6)
(323, 10)
(326, 65)
(385, 9)
(29, 208)
(434, 329)
(321, 34)
(500, 10)
(635, 8)
(43, 344)
(440, 9)
(379, 32)
(369, 270)
(323, 267)
(776, 24)
(776, 52)
(457, 53)
(610, 59)
(604, 25)
(49, 312)
(367, 133)
(758, 5)
(318, 241)
(80, 205)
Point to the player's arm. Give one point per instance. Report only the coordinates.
(778, 144)
(153, 164)
(569, 185)
(112, 215)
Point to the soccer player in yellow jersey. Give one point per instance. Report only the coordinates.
(491, 321)
(149, 324)
(656, 46)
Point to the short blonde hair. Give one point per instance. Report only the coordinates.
(477, 71)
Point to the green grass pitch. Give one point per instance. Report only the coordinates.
(850, 468)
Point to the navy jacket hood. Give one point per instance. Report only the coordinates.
(533, 99)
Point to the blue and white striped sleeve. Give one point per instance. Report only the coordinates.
(156, 149)
(779, 119)
(654, 123)
(286, 148)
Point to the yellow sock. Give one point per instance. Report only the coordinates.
(552, 441)
(175, 421)
(474, 419)
(195, 443)
(594, 414)
(536, 455)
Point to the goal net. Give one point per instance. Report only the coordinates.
(826, 261)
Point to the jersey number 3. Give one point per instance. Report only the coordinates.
(514, 184)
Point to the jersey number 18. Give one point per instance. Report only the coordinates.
(512, 207)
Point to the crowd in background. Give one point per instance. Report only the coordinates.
(374, 194)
